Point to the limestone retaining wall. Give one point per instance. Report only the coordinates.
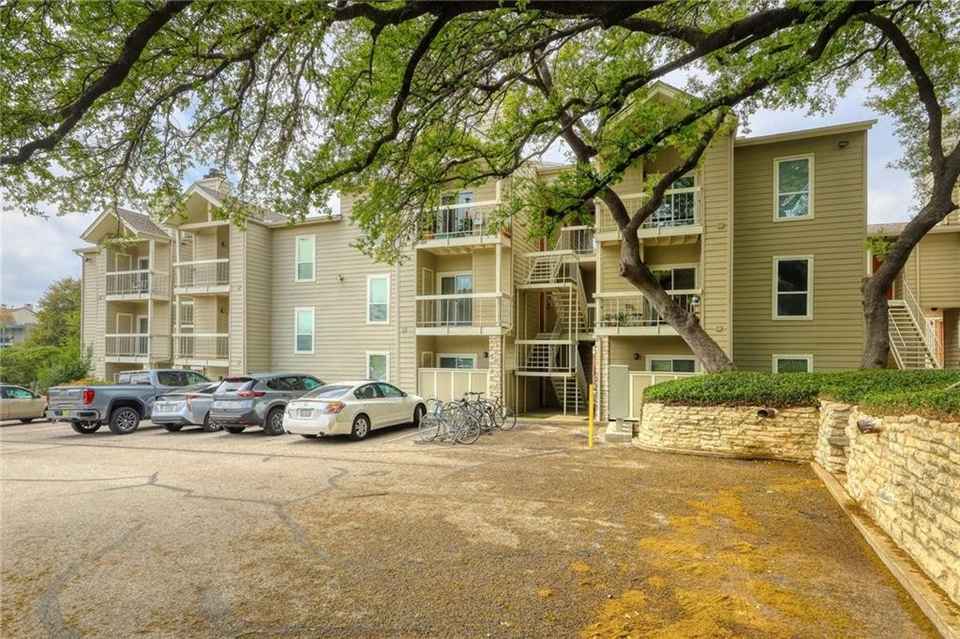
(832, 439)
(730, 430)
(907, 477)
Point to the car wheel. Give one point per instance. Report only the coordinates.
(361, 427)
(173, 428)
(418, 414)
(85, 428)
(124, 420)
(27, 420)
(308, 436)
(210, 427)
(236, 430)
(273, 424)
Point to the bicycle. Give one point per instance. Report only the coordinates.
(448, 422)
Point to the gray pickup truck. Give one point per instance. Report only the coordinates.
(121, 406)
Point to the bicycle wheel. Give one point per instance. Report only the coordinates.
(506, 417)
(429, 428)
(468, 430)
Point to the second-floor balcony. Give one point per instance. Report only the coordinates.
(464, 314)
(202, 276)
(462, 225)
(136, 284)
(631, 313)
(201, 348)
(136, 347)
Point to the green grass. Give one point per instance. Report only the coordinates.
(882, 389)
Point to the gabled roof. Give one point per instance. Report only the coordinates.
(835, 129)
(136, 223)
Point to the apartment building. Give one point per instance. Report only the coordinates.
(16, 324)
(924, 301)
(764, 241)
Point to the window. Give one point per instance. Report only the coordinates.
(378, 366)
(677, 278)
(304, 329)
(678, 207)
(283, 384)
(390, 391)
(378, 299)
(671, 364)
(793, 288)
(306, 258)
(458, 310)
(793, 363)
(12, 392)
(367, 392)
(793, 188)
(457, 360)
(455, 216)
(310, 383)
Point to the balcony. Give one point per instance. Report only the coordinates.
(677, 216)
(201, 349)
(630, 313)
(457, 226)
(202, 277)
(136, 348)
(137, 285)
(578, 239)
(464, 314)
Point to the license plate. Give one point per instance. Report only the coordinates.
(164, 408)
(62, 413)
(223, 404)
(305, 412)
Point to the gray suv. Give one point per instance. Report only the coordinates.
(258, 400)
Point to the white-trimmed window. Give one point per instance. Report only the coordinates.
(676, 278)
(378, 299)
(304, 329)
(793, 363)
(306, 258)
(457, 360)
(793, 188)
(378, 365)
(793, 288)
(671, 364)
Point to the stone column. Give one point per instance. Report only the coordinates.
(495, 364)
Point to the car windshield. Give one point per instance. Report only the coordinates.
(327, 392)
(233, 384)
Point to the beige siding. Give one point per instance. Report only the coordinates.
(716, 209)
(93, 325)
(259, 300)
(938, 257)
(835, 238)
(238, 297)
(624, 349)
(951, 338)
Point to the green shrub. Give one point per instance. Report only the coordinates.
(805, 389)
(20, 364)
(939, 403)
(67, 365)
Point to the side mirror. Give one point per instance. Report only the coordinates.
(403, 393)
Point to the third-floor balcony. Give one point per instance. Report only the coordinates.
(464, 314)
(631, 313)
(202, 276)
(460, 225)
(678, 214)
(136, 284)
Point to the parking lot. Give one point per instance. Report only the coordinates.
(524, 534)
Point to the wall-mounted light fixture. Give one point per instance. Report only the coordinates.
(340, 277)
(636, 356)
(486, 355)
(842, 144)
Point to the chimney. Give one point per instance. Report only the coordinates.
(217, 180)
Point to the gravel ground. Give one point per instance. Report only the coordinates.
(524, 534)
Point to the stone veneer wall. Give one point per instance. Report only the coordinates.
(832, 440)
(495, 367)
(907, 477)
(730, 430)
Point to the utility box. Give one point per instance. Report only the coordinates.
(618, 395)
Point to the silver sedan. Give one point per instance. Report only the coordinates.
(352, 408)
(188, 406)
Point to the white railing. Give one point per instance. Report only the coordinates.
(549, 356)
(460, 220)
(678, 209)
(465, 310)
(447, 384)
(629, 309)
(641, 380)
(926, 326)
(201, 345)
(137, 345)
(203, 272)
(138, 282)
(578, 239)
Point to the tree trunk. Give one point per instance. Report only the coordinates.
(876, 347)
(711, 356)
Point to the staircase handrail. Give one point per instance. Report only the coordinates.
(931, 338)
(894, 348)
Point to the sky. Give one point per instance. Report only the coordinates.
(35, 252)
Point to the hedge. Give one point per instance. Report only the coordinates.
(895, 387)
(938, 403)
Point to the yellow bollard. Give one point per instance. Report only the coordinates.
(590, 417)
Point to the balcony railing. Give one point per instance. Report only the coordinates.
(678, 209)
(465, 311)
(203, 272)
(460, 221)
(578, 239)
(139, 282)
(201, 346)
(634, 310)
(156, 347)
(550, 356)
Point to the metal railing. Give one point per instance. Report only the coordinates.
(927, 328)
(629, 309)
(203, 272)
(549, 356)
(679, 208)
(138, 282)
(201, 345)
(460, 220)
(465, 310)
(578, 239)
(137, 345)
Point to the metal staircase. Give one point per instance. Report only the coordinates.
(914, 342)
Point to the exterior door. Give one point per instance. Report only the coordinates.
(143, 334)
(458, 311)
(876, 264)
(395, 405)
(373, 405)
(19, 402)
